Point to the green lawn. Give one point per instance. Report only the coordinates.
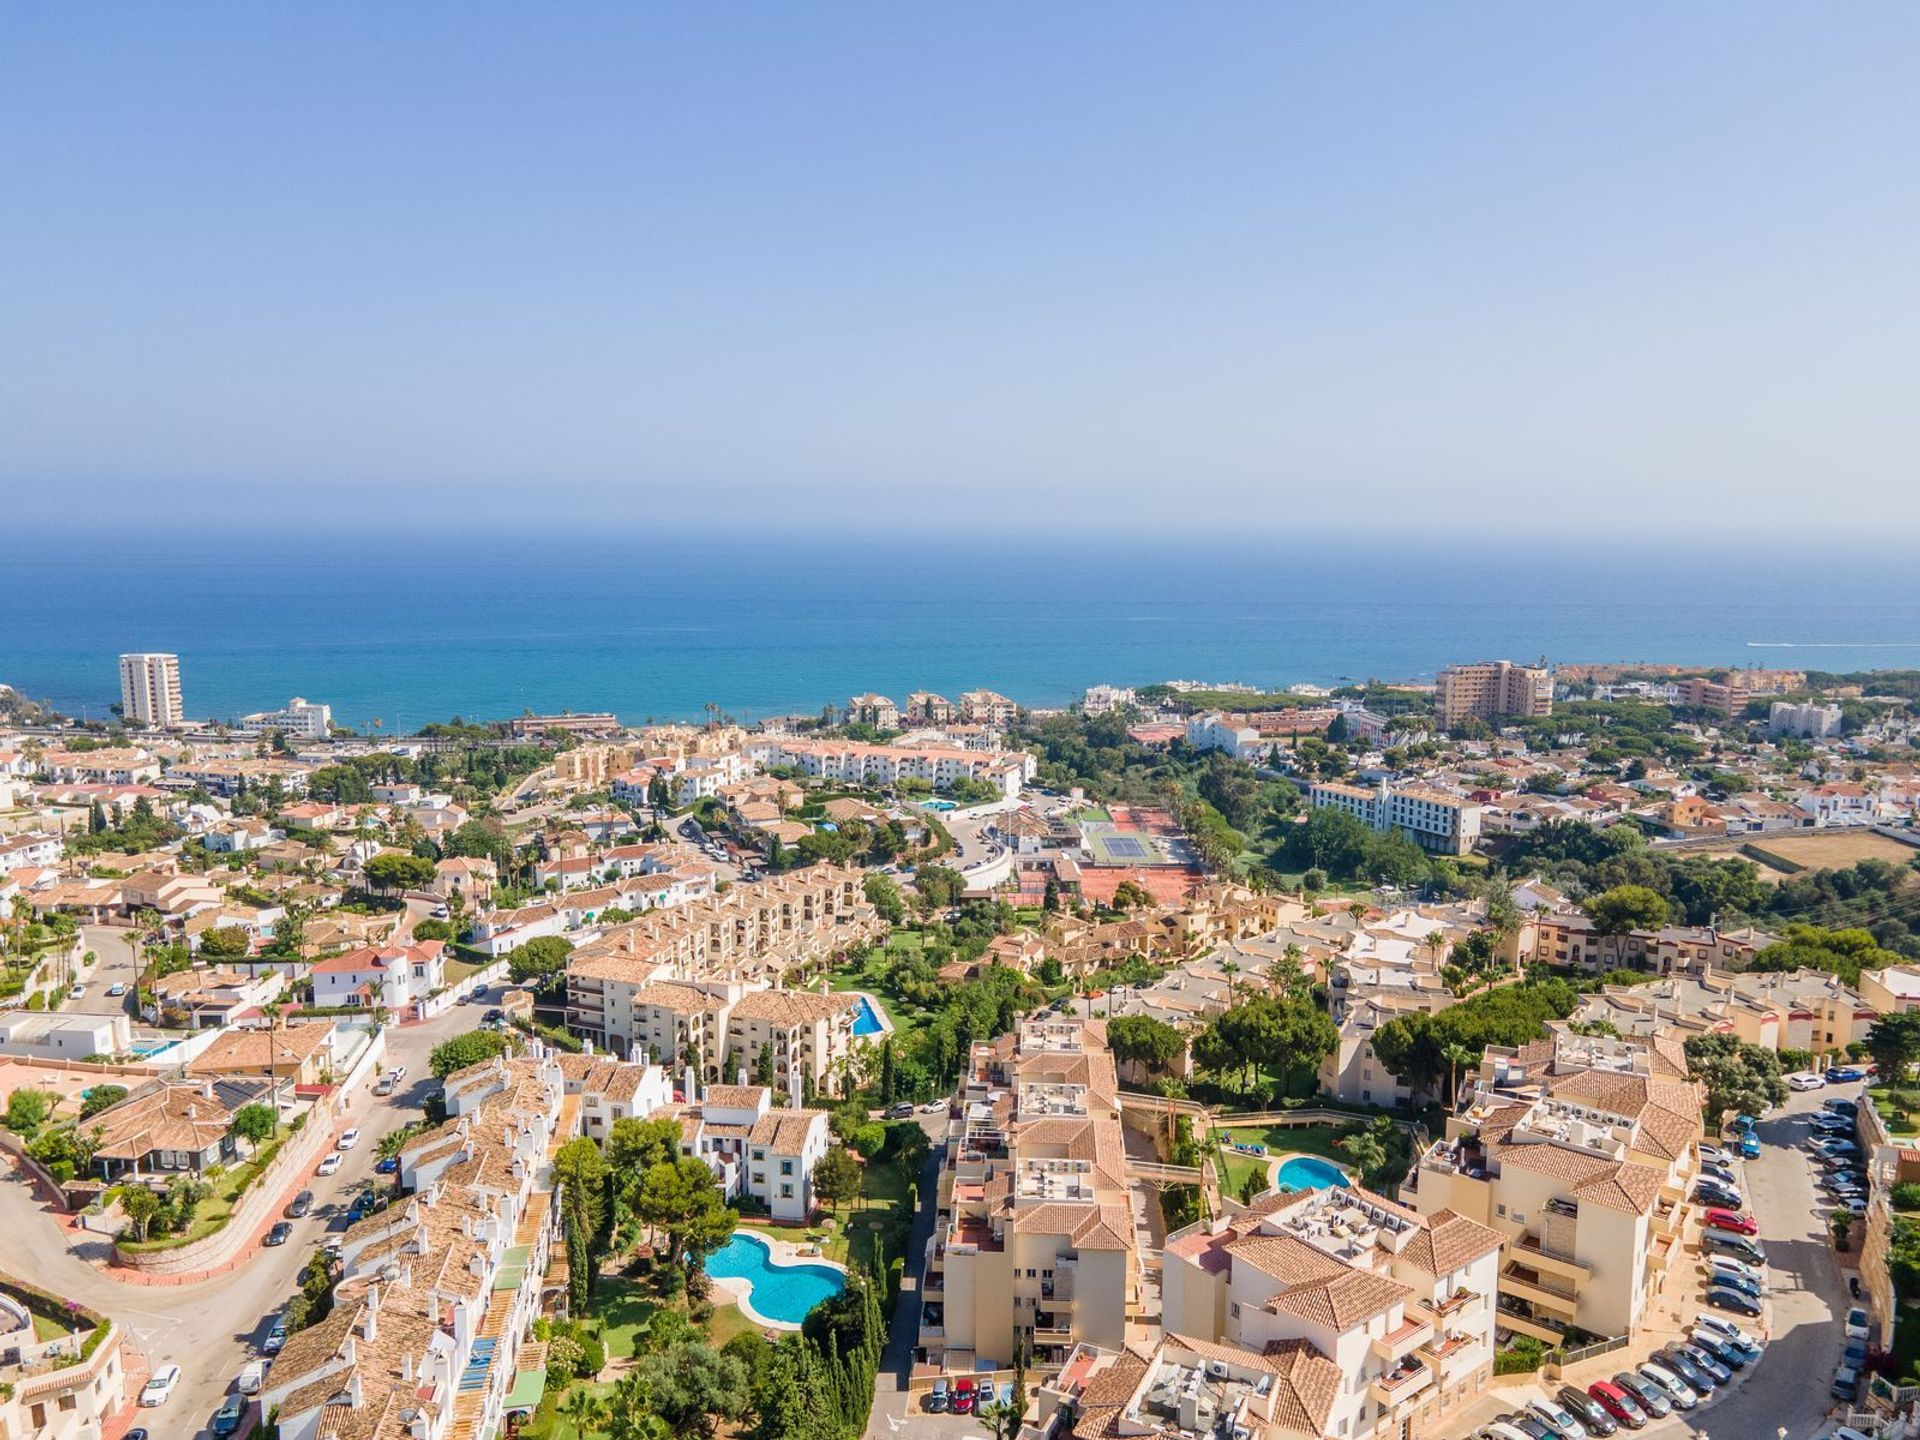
(1902, 1120)
(1279, 1140)
(624, 1309)
(458, 970)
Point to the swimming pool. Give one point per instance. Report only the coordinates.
(780, 1293)
(1306, 1172)
(866, 1021)
(941, 805)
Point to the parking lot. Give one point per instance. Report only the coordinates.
(1785, 1393)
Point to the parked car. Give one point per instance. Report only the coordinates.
(1752, 1289)
(1839, 1106)
(1721, 1173)
(1559, 1418)
(302, 1203)
(1714, 1155)
(1845, 1074)
(77, 991)
(117, 989)
(1530, 1425)
(348, 1139)
(327, 1166)
(281, 1232)
(1725, 1297)
(1707, 1193)
(388, 1166)
(1718, 1373)
(384, 1085)
(1732, 1265)
(937, 1398)
(1805, 1080)
(160, 1386)
(226, 1420)
(1619, 1404)
(963, 1397)
(1728, 1243)
(1750, 1145)
(933, 1107)
(900, 1110)
(1852, 1204)
(1846, 1383)
(276, 1337)
(251, 1377)
(1592, 1414)
(1683, 1395)
(1728, 1355)
(1653, 1399)
(1504, 1430)
(1734, 1220)
(1681, 1365)
(1719, 1325)
(1859, 1324)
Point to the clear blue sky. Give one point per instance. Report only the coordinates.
(1490, 268)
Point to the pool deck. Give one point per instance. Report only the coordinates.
(1273, 1170)
(779, 1253)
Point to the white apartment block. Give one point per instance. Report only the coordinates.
(1104, 699)
(988, 707)
(884, 765)
(1434, 820)
(875, 710)
(300, 720)
(150, 690)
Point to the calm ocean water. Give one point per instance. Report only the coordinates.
(656, 627)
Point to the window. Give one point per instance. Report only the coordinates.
(786, 1167)
(786, 1192)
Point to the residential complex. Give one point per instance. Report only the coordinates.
(1434, 820)
(851, 760)
(150, 690)
(1491, 691)
(299, 720)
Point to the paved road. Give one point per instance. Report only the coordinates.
(116, 962)
(1788, 1389)
(211, 1329)
(893, 1412)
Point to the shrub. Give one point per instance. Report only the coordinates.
(1907, 1196)
(1522, 1357)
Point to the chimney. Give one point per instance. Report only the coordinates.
(689, 1084)
(353, 1390)
(740, 1076)
(370, 1322)
(406, 1367)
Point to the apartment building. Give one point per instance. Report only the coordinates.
(431, 1328)
(1806, 721)
(884, 765)
(988, 707)
(33, 850)
(1434, 820)
(1571, 939)
(926, 708)
(1382, 1318)
(1105, 699)
(805, 1032)
(1776, 1010)
(230, 777)
(875, 710)
(1253, 736)
(1033, 1247)
(1585, 1174)
(150, 690)
(752, 936)
(1492, 690)
(299, 719)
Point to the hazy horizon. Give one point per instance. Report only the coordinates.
(1560, 274)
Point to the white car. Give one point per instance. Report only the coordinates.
(251, 1377)
(77, 991)
(116, 989)
(1678, 1391)
(1857, 1326)
(1557, 1418)
(1728, 1265)
(1714, 1155)
(1806, 1080)
(159, 1389)
(933, 1107)
(348, 1139)
(329, 1165)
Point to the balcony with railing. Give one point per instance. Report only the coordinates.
(1449, 1355)
(1402, 1383)
(1517, 1315)
(1525, 1283)
(1549, 1260)
(1401, 1341)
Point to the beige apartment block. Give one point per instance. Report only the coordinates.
(1492, 690)
(1033, 1250)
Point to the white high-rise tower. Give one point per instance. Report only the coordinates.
(150, 690)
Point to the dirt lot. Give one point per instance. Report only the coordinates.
(1835, 849)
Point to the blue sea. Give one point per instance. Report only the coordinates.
(660, 626)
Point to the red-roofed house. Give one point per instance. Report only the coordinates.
(383, 977)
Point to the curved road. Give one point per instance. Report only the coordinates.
(210, 1329)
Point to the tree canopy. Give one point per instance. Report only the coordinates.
(471, 1048)
(1738, 1076)
(1415, 1048)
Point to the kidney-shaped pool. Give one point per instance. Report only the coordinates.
(780, 1293)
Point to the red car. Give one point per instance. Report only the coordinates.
(1617, 1403)
(1732, 1220)
(963, 1397)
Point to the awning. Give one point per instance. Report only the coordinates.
(528, 1387)
(513, 1268)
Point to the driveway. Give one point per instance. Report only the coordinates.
(210, 1328)
(1786, 1392)
(115, 962)
(894, 1411)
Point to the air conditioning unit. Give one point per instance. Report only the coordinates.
(1216, 1369)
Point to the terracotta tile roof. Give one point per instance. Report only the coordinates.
(1631, 1188)
(791, 1007)
(784, 1132)
(1446, 1242)
(1304, 1395)
(1341, 1301)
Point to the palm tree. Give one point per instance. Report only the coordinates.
(584, 1410)
(1365, 1152)
(1435, 939)
(1456, 1055)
